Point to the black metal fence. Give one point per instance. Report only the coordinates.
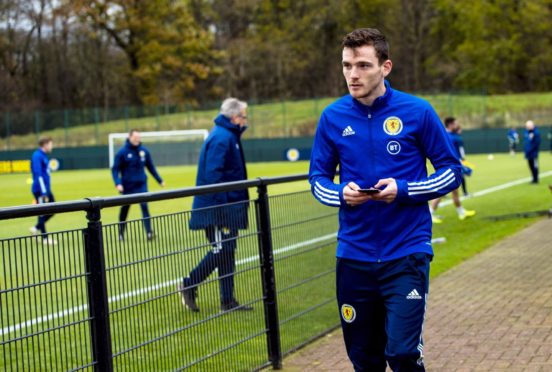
(98, 301)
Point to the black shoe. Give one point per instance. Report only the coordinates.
(235, 305)
(188, 297)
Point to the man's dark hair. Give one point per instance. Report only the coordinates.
(132, 131)
(368, 36)
(43, 141)
(449, 121)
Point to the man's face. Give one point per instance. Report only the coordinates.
(363, 73)
(134, 138)
(240, 119)
(48, 147)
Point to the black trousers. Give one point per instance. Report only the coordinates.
(534, 167)
(41, 224)
(221, 257)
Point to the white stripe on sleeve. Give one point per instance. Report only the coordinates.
(427, 182)
(325, 189)
(322, 193)
(431, 190)
(433, 185)
(42, 185)
(321, 197)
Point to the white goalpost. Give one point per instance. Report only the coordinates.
(171, 147)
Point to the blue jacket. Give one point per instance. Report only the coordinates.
(457, 144)
(221, 160)
(391, 138)
(129, 168)
(531, 144)
(41, 173)
(513, 136)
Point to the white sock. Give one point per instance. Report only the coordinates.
(460, 211)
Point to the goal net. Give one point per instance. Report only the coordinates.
(174, 147)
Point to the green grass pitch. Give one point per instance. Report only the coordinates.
(463, 240)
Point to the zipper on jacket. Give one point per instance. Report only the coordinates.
(372, 160)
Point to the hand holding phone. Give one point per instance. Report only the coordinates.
(370, 190)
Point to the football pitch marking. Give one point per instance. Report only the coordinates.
(506, 185)
(117, 298)
(114, 299)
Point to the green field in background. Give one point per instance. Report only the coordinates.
(463, 240)
(299, 118)
(79, 184)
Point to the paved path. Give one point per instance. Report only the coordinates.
(490, 313)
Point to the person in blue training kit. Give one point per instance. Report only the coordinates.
(220, 214)
(41, 188)
(452, 127)
(380, 138)
(531, 145)
(129, 175)
(513, 140)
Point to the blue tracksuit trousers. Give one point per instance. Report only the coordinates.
(41, 224)
(221, 257)
(382, 306)
(123, 213)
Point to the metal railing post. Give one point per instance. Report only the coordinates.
(268, 278)
(97, 290)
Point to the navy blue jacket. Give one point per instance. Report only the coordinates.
(531, 144)
(41, 173)
(129, 168)
(457, 144)
(221, 160)
(390, 139)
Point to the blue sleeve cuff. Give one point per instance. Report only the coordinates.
(341, 198)
(402, 191)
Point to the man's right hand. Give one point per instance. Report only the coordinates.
(353, 197)
(120, 188)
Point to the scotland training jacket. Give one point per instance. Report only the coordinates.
(532, 142)
(390, 139)
(130, 162)
(41, 173)
(221, 160)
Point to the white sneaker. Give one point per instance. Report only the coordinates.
(34, 230)
(49, 241)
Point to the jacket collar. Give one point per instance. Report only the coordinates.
(223, 121)
(131, 146)
(378, 102)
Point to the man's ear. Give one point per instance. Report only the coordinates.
(387, 67)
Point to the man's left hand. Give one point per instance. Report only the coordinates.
(388, 188)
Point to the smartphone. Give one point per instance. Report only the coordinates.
(371, 190)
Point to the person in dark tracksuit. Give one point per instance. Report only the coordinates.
(221, 214)
(380, 138)
(41, 189)
(130, 177)
(532, 140)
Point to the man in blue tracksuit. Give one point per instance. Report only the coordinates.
(453, 127)
(531, 144)
(380, 138)
(41, 184)
(129, 175)
(220, 214)
(513, 140)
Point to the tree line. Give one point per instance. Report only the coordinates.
(104, 53)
